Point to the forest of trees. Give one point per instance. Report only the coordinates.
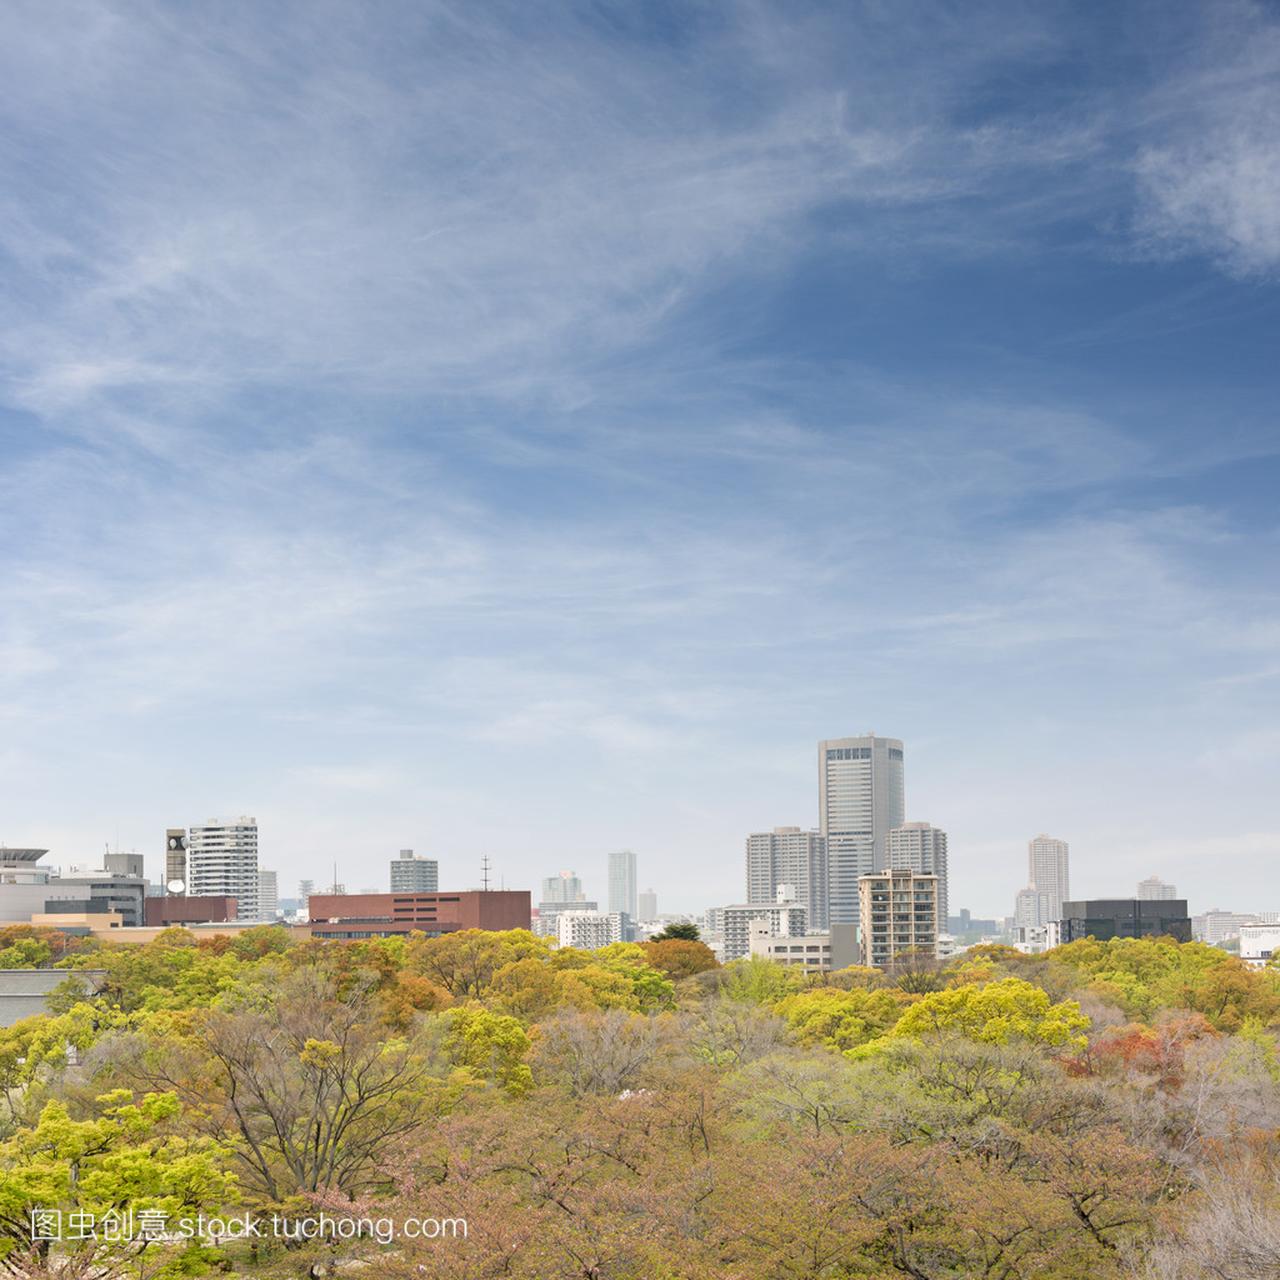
(642, 1113)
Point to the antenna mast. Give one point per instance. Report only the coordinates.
(484, 872)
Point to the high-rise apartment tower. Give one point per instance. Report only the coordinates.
(222, 862)
(917, 846)
(1048, 866)
(788, 855)
(566, 887)
(268, 894)
(622, 883)
(899, 912)
(411, 874)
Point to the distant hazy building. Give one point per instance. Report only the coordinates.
(565, 887)
(305, 889)
(622, 883)
(411, 874)
(175, 859)
(1153, 889)
(918, 846)
(966, 923)
(1217, 926)
(1104, 918)
(1049, 870)
(861, 798)
(268, 895)
(589, 930)
(559, 893)
(222, 861)
(1032, 909)
(647, 906)
(788, 855)
(898, 912)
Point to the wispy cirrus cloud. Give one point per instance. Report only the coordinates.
(1209, 179)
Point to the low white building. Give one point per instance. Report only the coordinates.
(949, 945)
(1258, 943)
(589, 930)
(821, 952)
(1034, 939)
(782, 919)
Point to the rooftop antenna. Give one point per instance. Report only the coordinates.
(484, 873)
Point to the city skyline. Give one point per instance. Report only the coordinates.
(527, 432)
(771, 856)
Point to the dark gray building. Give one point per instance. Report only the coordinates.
(99, 891)
(1104, 918)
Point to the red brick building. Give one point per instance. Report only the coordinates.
(382, 915)
(177, 909)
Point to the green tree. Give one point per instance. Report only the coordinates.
(679, 957)
(756, 980)
(305, 1080)
(682, 932)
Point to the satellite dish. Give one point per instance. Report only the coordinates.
(177, 886)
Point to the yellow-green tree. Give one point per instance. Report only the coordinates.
(997, 1013)
(840, 1019)
(126, 1159)
(492, 1045)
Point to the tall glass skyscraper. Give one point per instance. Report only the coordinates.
(861, 798)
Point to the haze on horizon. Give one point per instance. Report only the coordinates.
(527, 430)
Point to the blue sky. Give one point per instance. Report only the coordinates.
(526, 429)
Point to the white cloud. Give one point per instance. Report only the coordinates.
(349, 777)
(1210, 178)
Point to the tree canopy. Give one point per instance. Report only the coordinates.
(642, 1111)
